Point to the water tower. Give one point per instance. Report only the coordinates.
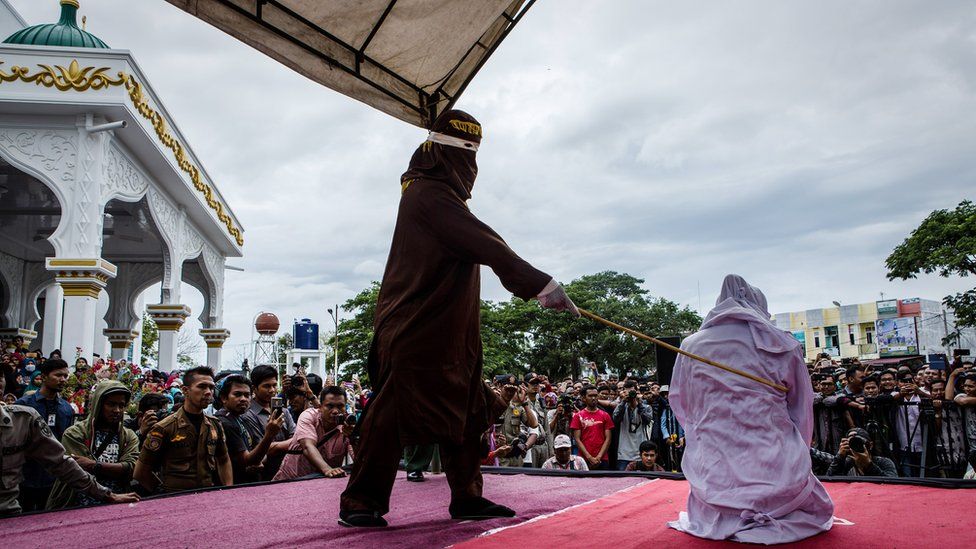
(306, 350)
(265, 345)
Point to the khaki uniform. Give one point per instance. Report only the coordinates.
(25, 435)
(186, 459)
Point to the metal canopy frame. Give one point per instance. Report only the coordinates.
(422, 106)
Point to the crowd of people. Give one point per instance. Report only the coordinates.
(912, 420)
(112, 431)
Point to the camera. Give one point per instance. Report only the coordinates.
(277, 403)
(857, 444)
(518, 447)
(632, 394)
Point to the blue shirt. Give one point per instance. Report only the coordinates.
(35, 476)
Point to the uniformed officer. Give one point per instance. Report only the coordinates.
(25, 435)
(188, 447)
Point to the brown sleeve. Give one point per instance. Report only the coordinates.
(467, 238)
(496, 404)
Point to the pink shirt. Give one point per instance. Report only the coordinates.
(311, 426)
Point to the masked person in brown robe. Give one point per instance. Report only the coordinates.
(425, 360)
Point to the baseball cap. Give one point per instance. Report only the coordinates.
(529, 377)
(665, 389)
(562, 441)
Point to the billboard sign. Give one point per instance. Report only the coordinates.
(896, 337)
(888, 307)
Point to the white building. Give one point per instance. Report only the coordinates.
(101, 197)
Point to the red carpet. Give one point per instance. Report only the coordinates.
(554, 511)
(869, 516)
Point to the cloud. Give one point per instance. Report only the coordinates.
(793, 143)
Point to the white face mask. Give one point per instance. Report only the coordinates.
(29, 368)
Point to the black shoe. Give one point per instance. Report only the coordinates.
(478, 509)
(416, 476)
(361, 519)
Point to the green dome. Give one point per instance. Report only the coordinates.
(63, 33)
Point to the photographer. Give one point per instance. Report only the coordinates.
(855, 459)
(831, 416)
(520, 426)
(264, 383)
(321, 442)
(633, 416)
(560, 418)
(152, 408)
(908, 425)
(878, 414)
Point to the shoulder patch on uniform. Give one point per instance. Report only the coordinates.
(154, 442)
(43, 427)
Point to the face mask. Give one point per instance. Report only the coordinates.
(29, 368)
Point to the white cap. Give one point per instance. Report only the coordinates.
(665, 389)
(562, 441)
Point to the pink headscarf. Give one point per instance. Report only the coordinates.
(739, 301)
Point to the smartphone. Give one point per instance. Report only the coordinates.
(277, 403)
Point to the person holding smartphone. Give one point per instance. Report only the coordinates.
(264, 382)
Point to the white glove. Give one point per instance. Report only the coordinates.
(554, 297)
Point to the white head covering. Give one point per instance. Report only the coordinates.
(738, 301)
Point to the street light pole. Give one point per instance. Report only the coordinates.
(334, 315)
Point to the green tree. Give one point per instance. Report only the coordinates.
(522, 336)
(150, 338)
(355, 333)
(945, 242)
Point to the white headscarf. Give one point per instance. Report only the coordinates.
(738, 301)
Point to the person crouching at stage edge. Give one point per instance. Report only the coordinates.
(188, 447)
(427, 337)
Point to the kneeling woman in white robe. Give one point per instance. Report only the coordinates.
(748, 445)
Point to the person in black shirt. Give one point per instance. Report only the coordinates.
(246, 452)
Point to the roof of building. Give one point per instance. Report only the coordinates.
(65, 32)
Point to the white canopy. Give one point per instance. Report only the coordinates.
(408, 58)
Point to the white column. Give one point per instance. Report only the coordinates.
(81, 280)
(169, 319)
(53, 309)
(215, 338)
(120, 340)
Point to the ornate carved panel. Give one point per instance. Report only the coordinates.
(52, 152)
(121, 178)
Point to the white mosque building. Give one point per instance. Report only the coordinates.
(101, 198)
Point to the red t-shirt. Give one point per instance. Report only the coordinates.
(592, 427)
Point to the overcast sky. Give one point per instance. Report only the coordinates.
(794, 143)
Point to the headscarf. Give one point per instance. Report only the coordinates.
(738, 301)
(454, 165)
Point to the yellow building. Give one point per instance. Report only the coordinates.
(852, 331)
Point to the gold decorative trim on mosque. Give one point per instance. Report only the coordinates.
(81, 288)
(83, 263)
(82, 79)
